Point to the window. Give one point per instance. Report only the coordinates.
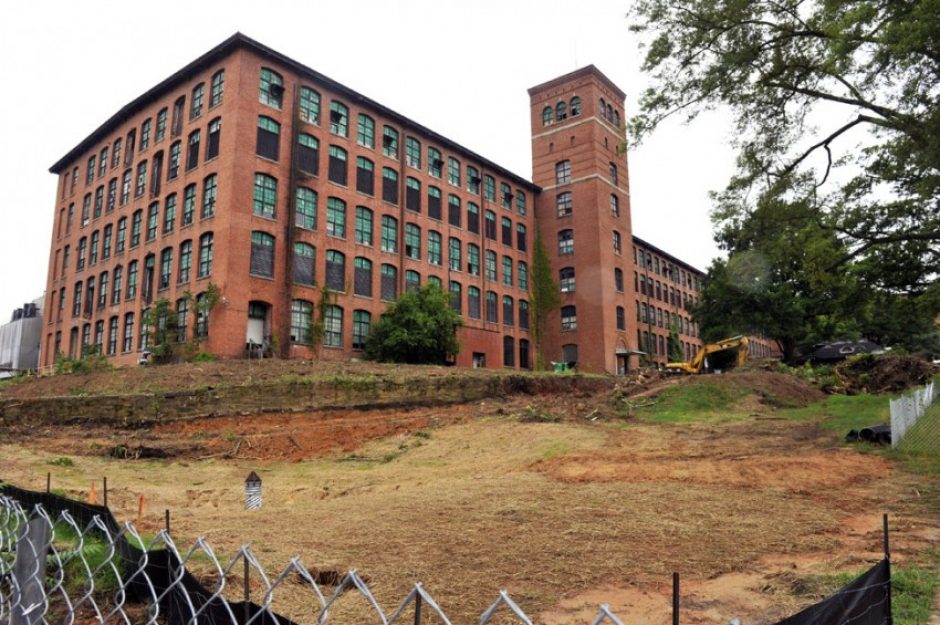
(169, 214)
(617, 245)
(390, 142)
(305, 209)
(362, 276)
(333, 326)
(523, 314)
(132, 279)
(309, 105)
(129, 153)
(492, 314)
(390, 185)
(412, 280)
(453, 254)
(473, 218)
(505, 195)
(575, 106)
(506, 231)
(455, 296)
(507, 271)
(546, 116)
(563, 172)
(195, 104)
(173, 167)
(473, 180)
(612, 169)
(337, 167)
(262, 254)
(388, 282)
(90, 171)
(489, 188)
(93, 248)
(268, 143)
(413, 241)
(141, 179)
(523, 271)
(128, 342)
(308, 153)
(216, 88)
(363, 225)
(215, 133)
(412, 152)
(561, 111)
(182, 318)
(304, 262)
(473, 302)
(490, 266)
(489, 224)
(339, 119)
(520, 202)
(77, 300)
(209, 189)
(115, 157)
(145, 135)
(99, 201)
(603, 108)
(156, 174)
(563, 204)
(521, 242)
(412, 194)
(434, 203)
(435, 164)
(153, 220)
(192, 150)
(509, 316)
(453, 210)
(106, 242)
(434, 247)
(335, 270)
(365, 131)
(362, 324)
(86, 209)
(166, 267)
(473, 259)
(189, 204)
(202, 316)
(121, 235)
(186, 261)
(103, 162)
(265, 196)
(565, 242)
(453, 171)
(205, 255)
(621, 319)
(112, 335)
(569, 318)
(618, 280)
(509, 351)
(336, 217)
(389, 234)
(614, 205)
(271, 88)
(176, 126)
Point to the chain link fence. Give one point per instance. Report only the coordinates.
(915, 421)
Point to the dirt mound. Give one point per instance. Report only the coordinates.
(886, 373)
(773, 389)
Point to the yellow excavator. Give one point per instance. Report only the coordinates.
(720, 355)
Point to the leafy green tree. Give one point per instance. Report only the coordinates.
(162, 325)
(674, 346)
(419, 328)
(545, 295)
(864, 71)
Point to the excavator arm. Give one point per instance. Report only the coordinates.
(737, 346)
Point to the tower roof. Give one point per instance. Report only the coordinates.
(589, 70)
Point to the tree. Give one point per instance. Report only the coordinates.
(419, 328)
(784, 67)
(674, 346)
(545, 296)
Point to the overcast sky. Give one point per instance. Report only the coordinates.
(459, 68)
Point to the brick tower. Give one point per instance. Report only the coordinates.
(583, 214)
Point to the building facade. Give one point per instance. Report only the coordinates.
(19, 340)
(279, 212)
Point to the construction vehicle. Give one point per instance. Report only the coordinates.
(717, 356)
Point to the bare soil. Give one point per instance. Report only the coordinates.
(552, 497)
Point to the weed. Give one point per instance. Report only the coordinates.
(64, 461)
(422, 434)
(692, 402)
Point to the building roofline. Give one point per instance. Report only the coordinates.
(637, 240)
(589, 70)
(241, 41)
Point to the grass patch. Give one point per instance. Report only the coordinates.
(554, 448)
(844, 412)
(684, 403)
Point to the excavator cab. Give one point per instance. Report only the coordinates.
(718, 356)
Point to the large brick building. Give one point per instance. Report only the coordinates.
(251, 172)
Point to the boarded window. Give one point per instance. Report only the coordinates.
(304, 262)
(389, 284)
(434, 203)
(335, 270)
(308, 154)
(269, 138)
(362, 279)
(262, 254)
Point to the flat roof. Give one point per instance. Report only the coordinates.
(662, 252)
(588, 70)
(240, 41)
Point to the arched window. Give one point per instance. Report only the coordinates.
(566, 279)
(602, 108)
(362, 276)
(565, 242)
(561, 111)
(617, 119)
(305, 258)
(336, 217)
(271, 88)
(215, 132)
(365, 175)
(335, 270)
(618, 279)
(337, 166)
(546, 116)
(363, 225)
(309, 105)
(305, 210)
(617, 244)
(492, 314)
(308, 153)
(456, 297)
(301, 321)
(614, 205)
(388, 286)
(621, 318)
(612, 169)
(209, 190)
(509, 310)
(205, 255)
(268, 142)
(563, 204)
(509, 351)
(216, 89)
(265, 196)
(610, 113)
(563, 172)
(575, 106)
(569, 318)
(412, 280)
(333, 326)
(262, 254)
(192, 150)
(362, 327)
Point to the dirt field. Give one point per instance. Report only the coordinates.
(474, 498)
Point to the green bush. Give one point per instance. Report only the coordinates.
(419, 328)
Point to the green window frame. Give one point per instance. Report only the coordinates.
(264, 201)
(389, 234)
(505, 195)
(305, 208)
(412, 241)
(301, 322)
(453, 171)
(161, 125)
(210, 188)
(365, 131)
(473, 180)
(271, 88)
(520, 202)
(336, 217)
(363, 225)
(195, 104)
(412, 152)
(473, 259)
(189, 204)
(339, 118)
(217, 88)
(489, 188)
(309, 105)
(186, 261)
(491, 265)
(145, 134)
(435, 162)
(522, 269)
(390, 142)
(169, 213)
(333, 326)
(153, 220)
(434, 247)
(507, 271)
(453, 254)
(362, 327)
